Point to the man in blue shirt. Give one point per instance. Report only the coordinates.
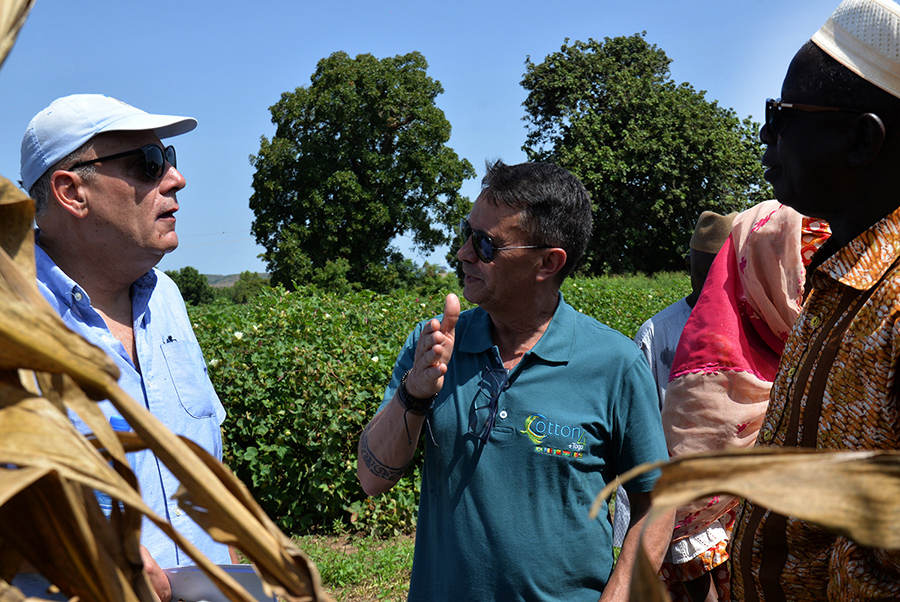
(531, 408)
(105, 198)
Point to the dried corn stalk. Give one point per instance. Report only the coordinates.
(854, 494)
(12, 17)
(48, 471)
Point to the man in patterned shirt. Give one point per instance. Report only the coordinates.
(833, 153)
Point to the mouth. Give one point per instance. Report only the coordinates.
(168, 215)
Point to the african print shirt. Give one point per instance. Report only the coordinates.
(851, 406)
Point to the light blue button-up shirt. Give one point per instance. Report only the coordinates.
(172, 384)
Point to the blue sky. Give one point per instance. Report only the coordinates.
(225, 63)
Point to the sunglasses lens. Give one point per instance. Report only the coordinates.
(465, 231)
(170, 156)
(154, 160)
(772, 116)
(481, 243)
(483, 247)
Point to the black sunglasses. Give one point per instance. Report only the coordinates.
(482, 243)
(154, 159)
(774, 114)
(484, 406)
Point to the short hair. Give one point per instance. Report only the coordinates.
(837, 85)
(556, 207)
(40, 190)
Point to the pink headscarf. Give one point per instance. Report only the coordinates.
(729, 349)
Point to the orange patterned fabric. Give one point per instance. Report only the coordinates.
(778, 558)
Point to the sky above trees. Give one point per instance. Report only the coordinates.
(227, 62)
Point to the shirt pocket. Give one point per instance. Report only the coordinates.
(188, 373)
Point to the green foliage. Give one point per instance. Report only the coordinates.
(193, 285)
(625, 302)
(248, 286)
(301, 373)
(653, 154)
(359, 156)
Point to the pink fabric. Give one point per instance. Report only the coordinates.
(729, 350)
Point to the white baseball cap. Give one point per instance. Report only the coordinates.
(71, 121)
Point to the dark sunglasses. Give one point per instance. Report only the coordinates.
(154, 159)
(482, 243)
(484, 407)
(774, 113)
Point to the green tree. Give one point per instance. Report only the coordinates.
(653, 154)
(193, 285)
(359, 156)
(248, 286)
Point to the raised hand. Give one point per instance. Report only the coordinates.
(433, 352)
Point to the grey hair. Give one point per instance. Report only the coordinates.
(40, 190)
(556, 208)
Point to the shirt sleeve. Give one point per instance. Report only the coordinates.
(641, 439)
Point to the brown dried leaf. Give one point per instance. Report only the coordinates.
(12, 17)
(855, 494)
(48, 507)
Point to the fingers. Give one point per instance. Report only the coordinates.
(451, 315)
(158, 580)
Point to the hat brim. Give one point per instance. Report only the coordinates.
(164, 126)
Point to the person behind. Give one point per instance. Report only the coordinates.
(104, 188)
(722, 375)
(833, 149)
(531, 408)
(658, 336)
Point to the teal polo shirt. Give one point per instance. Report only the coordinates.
(507, 519)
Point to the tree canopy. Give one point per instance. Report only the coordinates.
(653, 154)
(194, 286)
(358, 157)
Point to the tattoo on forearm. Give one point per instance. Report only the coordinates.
(376, 466)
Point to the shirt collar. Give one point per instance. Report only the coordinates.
(554, 346)
(57, 282)
(862, 262)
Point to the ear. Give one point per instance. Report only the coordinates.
(869, 135)
(67, 190)
(554, 260)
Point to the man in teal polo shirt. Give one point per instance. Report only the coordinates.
(531, 408)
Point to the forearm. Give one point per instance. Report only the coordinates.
(656, 540)
(385, 449)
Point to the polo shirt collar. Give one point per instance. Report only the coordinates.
(861, 263)
(554, 346)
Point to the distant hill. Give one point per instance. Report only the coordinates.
(219, 281)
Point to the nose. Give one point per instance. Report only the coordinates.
(466, 252)
(765, 134)
(172, 180)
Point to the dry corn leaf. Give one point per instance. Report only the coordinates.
(12, 17)
(854, 494)
(50, 472)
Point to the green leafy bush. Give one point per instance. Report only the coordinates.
(301, 373)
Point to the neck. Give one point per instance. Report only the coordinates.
(691, 299)
(108, 286)
(515, 335)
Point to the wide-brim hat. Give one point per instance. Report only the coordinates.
(864, 36)
(71, 121)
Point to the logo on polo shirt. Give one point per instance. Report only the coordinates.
(538, 428)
